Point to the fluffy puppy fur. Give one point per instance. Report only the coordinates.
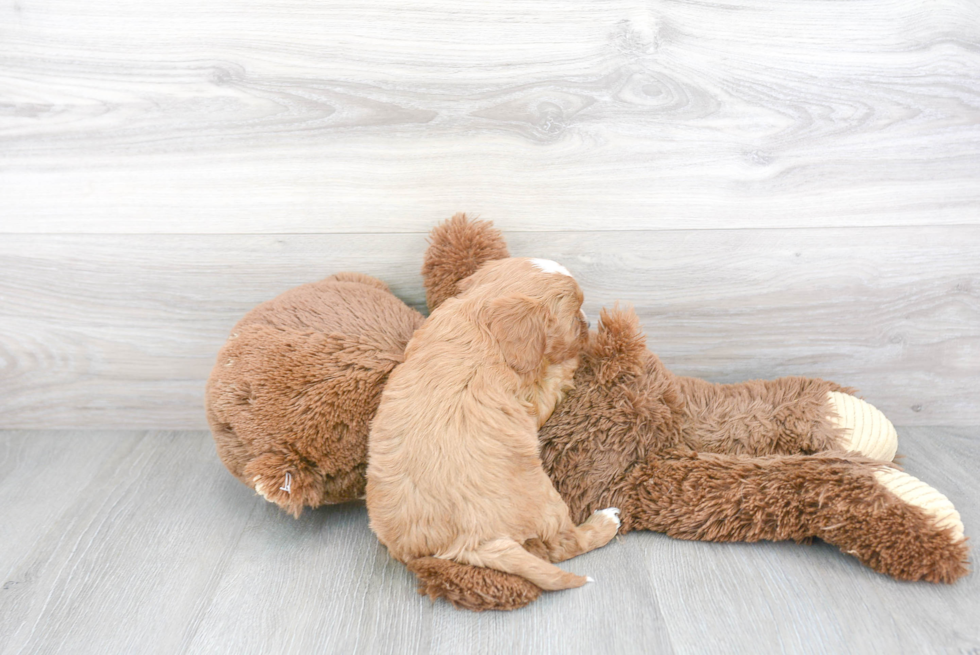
(453, 459)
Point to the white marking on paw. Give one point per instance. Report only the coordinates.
(611, 512)
(549, 266)
(589, 579)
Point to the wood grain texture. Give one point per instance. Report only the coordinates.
(183, 116)
(164, 552)
(33, 500)
(122, 331)
(132, 561)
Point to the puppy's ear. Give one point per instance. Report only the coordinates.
(464, 285)
(519, 324)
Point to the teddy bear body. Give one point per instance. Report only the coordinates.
(297, 383)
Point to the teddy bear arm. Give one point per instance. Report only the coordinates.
(790, 415)
(890, 521)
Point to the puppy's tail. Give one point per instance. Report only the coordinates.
(507, 577)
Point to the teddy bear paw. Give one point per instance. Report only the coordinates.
(916, 492)
(866, 430)
(284, 481)
(266, 491)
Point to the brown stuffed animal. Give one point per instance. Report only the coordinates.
(294, 388)
(293, 391)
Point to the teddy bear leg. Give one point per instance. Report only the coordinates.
(287, 480)
(904, 528)
(864, 429)
(890, 521)
(786, 416)
(914, 491)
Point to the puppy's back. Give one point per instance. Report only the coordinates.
(447, 443)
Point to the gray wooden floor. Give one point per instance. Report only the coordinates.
(140, 542)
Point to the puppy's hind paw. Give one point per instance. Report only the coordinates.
(605, 525)
(611, 513)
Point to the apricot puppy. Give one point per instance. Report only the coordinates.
(453, 466)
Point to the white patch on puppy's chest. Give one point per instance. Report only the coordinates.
(549, 266)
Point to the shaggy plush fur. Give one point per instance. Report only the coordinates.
(758, 460)
(457, 248)
(723, 498)
(453, 468)
(626, 406)
(295, 387)
(468, 587)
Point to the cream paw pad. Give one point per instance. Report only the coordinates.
(866, 430)
(916, 492)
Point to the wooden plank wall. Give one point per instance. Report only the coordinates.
(778, 188)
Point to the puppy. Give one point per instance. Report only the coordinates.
(453, 466)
